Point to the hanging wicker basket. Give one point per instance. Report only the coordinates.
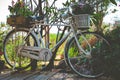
(16, 21)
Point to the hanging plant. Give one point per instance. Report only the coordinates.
(19, 9)
(19, 14)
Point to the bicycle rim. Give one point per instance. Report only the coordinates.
(87, 65)
(12, 41)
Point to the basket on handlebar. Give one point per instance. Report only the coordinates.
(81, 21)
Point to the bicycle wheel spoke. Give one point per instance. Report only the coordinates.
(86, 64)
(11, 45)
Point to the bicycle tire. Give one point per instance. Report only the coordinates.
(89, 66)
(13, 39)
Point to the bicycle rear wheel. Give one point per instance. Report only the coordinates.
(90, 64)
(12, 41)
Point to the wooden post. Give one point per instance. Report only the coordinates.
(47, 27)
(34, 62)
(47, 36)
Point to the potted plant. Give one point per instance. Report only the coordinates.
(19, 13)
(81, 8)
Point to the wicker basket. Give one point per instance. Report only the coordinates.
(81, 21)
(18, 21)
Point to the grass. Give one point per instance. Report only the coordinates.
(60, 51)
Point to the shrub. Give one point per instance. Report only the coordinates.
(112, 59)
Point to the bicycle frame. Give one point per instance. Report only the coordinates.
(59, 43)
(40, 40)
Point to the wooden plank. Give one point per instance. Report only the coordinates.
(3, 76)
(15, 75)
(6, 73)
(44, 75)
(56, 74)
(32, 74)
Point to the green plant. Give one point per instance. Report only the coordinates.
(81, 8)
(1, 35)
(20, 9)
(112, 58)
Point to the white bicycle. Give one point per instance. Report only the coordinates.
(81, 52)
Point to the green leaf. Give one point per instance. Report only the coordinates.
(113, 1)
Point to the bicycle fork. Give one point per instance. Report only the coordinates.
(80, 49)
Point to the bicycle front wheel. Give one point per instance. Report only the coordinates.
(91, 63)
(12, 41)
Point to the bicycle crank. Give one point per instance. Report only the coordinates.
(37, 53)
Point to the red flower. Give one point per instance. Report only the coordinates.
(1, 53)
(13, 3)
